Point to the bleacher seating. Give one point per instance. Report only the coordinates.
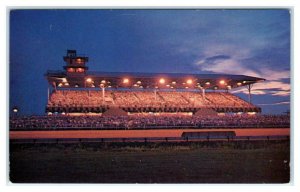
(173, 100)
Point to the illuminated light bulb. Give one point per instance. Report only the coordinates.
(189, 81)
(162, 81)
(222, 82)
(125, 80)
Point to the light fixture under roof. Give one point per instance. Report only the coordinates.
(162, 81)
(189, 81)
(89, 80)
(125, 80)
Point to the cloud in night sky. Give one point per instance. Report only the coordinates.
(226, 64)
(260, 49)
(278, 103)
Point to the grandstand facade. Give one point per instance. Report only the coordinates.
(76, 90)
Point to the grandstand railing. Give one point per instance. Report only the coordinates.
(110, 127)
(152, 139)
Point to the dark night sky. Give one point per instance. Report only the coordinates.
(247, 42)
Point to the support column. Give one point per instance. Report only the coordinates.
(48, 94)
(155, 94)
(103, 93)
(203, 93)
(54, 86)
(249, 92)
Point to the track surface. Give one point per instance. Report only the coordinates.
(139, 133)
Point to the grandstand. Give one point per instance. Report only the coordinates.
(78, 99)
(76, 91)
(82, 100)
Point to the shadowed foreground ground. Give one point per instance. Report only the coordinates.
(204, 162)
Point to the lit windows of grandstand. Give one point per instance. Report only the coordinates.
(71, 70)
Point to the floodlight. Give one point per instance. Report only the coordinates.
(15, 110)
(89, 80)
(222, 82)
(189, 81)
(125, 80)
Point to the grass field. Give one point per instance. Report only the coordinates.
(202, 162)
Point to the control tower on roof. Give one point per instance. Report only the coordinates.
(75, 64)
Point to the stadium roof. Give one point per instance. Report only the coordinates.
(149, 80)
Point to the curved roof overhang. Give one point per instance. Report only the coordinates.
(149, 80)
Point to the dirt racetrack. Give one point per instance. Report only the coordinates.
(139, 133)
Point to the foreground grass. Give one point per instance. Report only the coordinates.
(205, 162)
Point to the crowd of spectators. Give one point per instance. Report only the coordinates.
(125, 98)
(148, 121)
(63, 98)
(222, 99)
(174, 98)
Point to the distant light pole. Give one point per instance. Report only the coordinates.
(15, 111)
(102, 86)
